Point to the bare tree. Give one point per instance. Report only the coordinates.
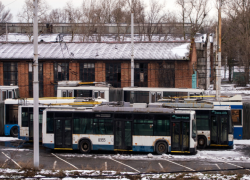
(26, 15)
(238, 14)
(57, 16)
(5, 15)
(154, 16)
(194, 12)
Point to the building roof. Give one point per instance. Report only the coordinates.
(103, 51)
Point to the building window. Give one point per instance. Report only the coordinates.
(10, 73)
(166, 74)
(113, 74)
(40, 79)
(61, 73)
(87, 72)
(141, 75)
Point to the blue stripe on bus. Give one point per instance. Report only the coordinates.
(143, 148)
(51, 146)
(233, 106)
(111, 147)
(147, 148)
(230, 143)
(103, 147)
(238, 132)
(25, 138)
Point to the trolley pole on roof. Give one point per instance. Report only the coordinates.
(132, 45)
(35, 89)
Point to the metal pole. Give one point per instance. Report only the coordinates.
(132, 45)
(219, 52)
(216, 67)
(35, 89)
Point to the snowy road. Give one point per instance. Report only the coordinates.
(208, 159)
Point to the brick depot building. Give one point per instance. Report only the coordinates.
(157, 64)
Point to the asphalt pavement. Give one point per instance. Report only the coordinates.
(217, 160)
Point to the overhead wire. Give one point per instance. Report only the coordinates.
(11, 3)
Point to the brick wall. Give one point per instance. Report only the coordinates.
(184, 70)
(48, 79)
(100, 71)
(153, 74)
(125, 74)
(74, 71)
(23, 79)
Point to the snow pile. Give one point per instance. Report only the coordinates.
(242, 142)
(72, 174)
(8, 139)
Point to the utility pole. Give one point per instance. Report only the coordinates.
(132, 45)
(218, 74)
(35, 89)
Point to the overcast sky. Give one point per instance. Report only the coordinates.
(16, 5)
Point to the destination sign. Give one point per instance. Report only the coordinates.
(180, 117)
(219, 112)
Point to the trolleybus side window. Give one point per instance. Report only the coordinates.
(83, 93)
(50, 122)
(162, 125)
(143, 124)
(25, 117)
(4, 96)
(202, 118)
(105, 126)
(194, 129)
(175, 95)
(236, 117)
(83, 124)
(92, 125)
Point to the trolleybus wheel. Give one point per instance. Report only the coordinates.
(202, 142)
(14, 131)
(161, 148)
(84, 146)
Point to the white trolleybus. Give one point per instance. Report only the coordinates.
(120, 128)
(128, 94)
(214, 123)
(25, 113)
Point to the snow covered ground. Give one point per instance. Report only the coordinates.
(231, 90)
(87, 174)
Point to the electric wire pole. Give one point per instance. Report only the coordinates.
(132, 45)
(218, 70)
(35, 89)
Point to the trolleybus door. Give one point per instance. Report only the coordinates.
(31, 133)
(63, 133)
(180, 136)
(123, 135)
(219, 129)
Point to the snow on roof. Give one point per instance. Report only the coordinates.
(19, 37)
(200, 38)
(104, 51)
